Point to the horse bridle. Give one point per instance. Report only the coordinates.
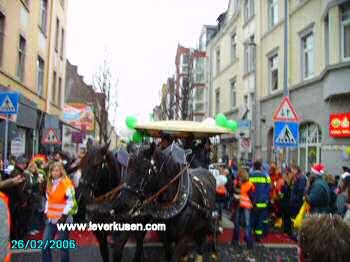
(92, 185)
(152, 171)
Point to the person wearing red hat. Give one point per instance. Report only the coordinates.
(318, 193)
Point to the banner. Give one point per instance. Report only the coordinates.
(79, 115)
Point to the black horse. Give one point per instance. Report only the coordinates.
(185, 207)
(102, 173)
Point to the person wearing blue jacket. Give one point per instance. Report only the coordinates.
(261, 181)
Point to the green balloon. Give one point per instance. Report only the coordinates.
(221, 120)
(233, 126)
(230, 124)
(131, 122)
(137, 138)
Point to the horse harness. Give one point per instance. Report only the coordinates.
(175, 206)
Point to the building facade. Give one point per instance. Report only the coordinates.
(246, 70)
(319, 74)
(191, 90)
(232, 73)
(32, 62)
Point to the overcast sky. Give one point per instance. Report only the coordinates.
(139, 38)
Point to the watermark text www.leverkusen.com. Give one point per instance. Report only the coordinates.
(111, 227)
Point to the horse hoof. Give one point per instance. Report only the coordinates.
(215, 257)
(199, 258)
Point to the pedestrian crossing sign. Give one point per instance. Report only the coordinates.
(9, 103)
(286, 111)
(51, 138)
(286, 134)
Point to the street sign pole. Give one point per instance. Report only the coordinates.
(286, 39)
(8, 106)
(6, 137)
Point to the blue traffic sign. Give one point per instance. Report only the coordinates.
(244, 124)
(286, 134)
(9, 103)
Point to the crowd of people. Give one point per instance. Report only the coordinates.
(39, 194)
(265, 197)
(260, 197)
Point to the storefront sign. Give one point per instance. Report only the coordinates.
(79, 115)
(339, 125)
(18, 143)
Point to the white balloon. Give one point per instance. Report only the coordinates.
(126, 132)
(209, 121)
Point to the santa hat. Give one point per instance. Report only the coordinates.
(318, 169)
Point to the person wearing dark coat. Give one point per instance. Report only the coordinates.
(318, 192)
(298, 190)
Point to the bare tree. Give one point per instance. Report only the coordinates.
(105, 100)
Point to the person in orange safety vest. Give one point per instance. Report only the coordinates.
(244, 210)
(59, 208)
(5, 222)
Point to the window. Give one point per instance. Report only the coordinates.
(345, 32)
(57, 34)
(218, 61)
(236, 6)
(21, 58)
(245, 98)
(307, 42)
(248, 10)
(217, 101)
(249, 55)
(199, 70)
(199, 95)
(309, 150)
(2, 35)
(233, 47)
(62, 43)
(53, 93)
(43, 15)
(273, 72)
(59, 92)
(40, 76)
(273, 13)
(252, 99)
(185, 60)
(326, 40)
(233, 94)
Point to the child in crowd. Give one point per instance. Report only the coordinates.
(59, 208)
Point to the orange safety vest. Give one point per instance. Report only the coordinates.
(221, 190)
(56, 200)
(244, 200)
(7, 253)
